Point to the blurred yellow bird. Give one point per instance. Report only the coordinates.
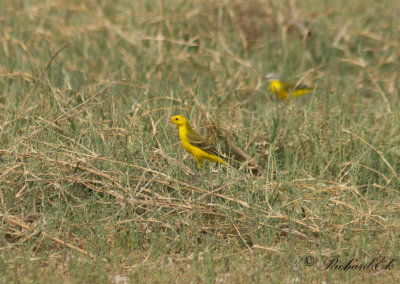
(195, 144)
(285, 89)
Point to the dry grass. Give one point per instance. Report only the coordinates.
(94, 186)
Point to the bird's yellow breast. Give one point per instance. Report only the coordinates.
(276, 87)
(185, 140)
(195, 151)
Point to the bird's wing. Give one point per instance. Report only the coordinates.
(198, 141)
(291, 87)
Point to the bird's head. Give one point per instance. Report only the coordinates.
(271, 77)
(179, 120)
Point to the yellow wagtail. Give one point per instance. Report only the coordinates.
(285, 89)
(195, 144)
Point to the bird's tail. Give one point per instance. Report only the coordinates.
(224, 161)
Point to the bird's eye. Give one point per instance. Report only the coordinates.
(176, 118)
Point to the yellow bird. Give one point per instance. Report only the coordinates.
(285, 89)
(195, 144)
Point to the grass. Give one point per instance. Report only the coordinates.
(95, 186)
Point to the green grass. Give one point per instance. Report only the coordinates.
(95, 187)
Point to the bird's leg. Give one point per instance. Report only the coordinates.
(200, 164)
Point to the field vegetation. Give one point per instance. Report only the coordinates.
(95, 186)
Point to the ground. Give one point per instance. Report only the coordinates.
(96, 187)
